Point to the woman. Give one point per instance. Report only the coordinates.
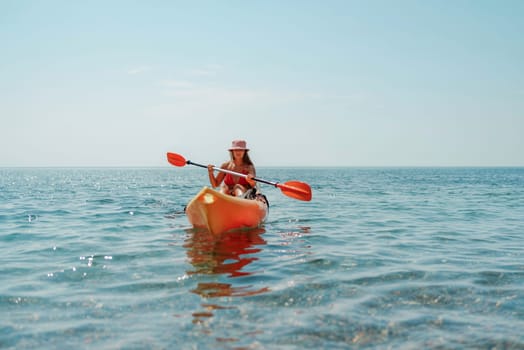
(240, 163)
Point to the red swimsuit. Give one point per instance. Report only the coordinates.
(230, 181)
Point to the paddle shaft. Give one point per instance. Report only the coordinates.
(294, 189)
(233, 173)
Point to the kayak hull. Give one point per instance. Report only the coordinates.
(219, 213)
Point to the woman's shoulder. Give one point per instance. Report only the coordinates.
(226, 165)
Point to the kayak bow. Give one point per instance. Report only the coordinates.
(219, 213)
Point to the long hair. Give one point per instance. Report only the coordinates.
(245, 158)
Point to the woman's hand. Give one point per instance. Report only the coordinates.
(212, 179)
(250, 180)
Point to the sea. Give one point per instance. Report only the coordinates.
(380, 258)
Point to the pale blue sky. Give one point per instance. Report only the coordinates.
(306, 83)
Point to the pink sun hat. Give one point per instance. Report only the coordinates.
(239, 145)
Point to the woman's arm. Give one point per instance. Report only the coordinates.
(250, 175)
(212, 178)
(215, 181)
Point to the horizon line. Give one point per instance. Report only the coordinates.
(258, 166)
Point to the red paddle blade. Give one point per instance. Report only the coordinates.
(296, 189)
(176, 159)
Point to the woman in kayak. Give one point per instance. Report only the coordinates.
(240, 163)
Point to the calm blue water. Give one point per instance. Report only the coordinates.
(405, 258)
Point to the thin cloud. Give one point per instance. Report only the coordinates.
(138, 70)
(199, 84)
(212, 93)
(209, 70)
(178, 84)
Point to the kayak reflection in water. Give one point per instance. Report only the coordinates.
(240, 163)
(224, 254)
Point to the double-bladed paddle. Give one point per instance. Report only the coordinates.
(294, 189)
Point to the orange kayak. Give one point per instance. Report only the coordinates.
(219, 213)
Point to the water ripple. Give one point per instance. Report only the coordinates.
(402, 258)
